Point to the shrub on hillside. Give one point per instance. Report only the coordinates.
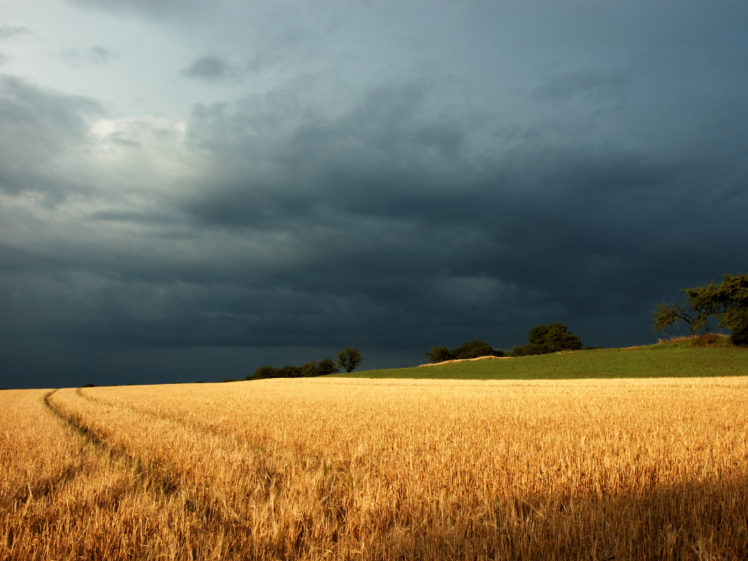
(709, 340)
(473, 349)
(309, 369)
(439, 354)
(470, 349)
(265, 372)
(290, 372)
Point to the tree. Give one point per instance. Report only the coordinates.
(727, 302)
(349, 358)
(699, 305)
(666, 315)
(730, 298)
(550, 338)
(555, 337)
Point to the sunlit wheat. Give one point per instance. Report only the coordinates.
(378, 469)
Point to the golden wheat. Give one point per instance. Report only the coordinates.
(379, 469)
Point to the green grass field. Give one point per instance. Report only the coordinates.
(654, 361)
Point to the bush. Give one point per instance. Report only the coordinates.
(439, 354)
(309, 369)
(469, 349)
(474, 349)
(290, 372)
(708, 340)
(265, 372)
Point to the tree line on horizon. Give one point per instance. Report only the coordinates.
(726, 303)
(542, 339)
(348, 360)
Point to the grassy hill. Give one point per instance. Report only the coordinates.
(676, 359)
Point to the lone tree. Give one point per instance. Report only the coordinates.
(727, 302)
(698, 306)
(349, 358)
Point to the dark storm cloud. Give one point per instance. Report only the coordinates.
(278, 156)
(208, 68)
(381, 226)
(397, 213)
(36, 126)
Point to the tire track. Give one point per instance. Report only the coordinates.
(178, 419)
(78, 427)
(45, 487)
(149, 479)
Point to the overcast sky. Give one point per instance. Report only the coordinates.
(191, 189)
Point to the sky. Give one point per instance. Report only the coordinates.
(190, 190)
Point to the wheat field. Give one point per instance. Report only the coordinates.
(377, 469)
